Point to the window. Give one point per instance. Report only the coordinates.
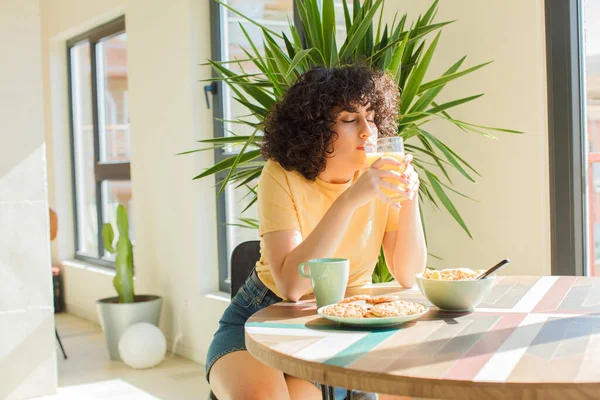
(228, 41)
(573, 51)
(100, 149)
(591, 76)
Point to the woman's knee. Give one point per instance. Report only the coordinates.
(239, 375)
(300, 389)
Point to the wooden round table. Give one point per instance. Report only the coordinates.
(532, 338)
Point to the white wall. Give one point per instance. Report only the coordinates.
(176, 254)
(511, 217)
(27, 348)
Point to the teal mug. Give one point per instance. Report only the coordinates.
(328, 278)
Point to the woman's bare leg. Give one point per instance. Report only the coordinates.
(299, 389)
(240, 376)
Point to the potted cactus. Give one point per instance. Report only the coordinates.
(118, 313)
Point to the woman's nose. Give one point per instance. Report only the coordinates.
(364, 128)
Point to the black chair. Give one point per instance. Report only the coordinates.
(243, 260)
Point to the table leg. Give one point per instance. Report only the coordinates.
(324, 393)
(328, 392)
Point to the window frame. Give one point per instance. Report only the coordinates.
(217, 104)
(102, 171)
(566, 138)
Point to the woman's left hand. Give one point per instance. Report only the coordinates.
(410, 178)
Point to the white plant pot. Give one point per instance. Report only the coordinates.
(115, 317)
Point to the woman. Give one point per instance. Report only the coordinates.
(317, 198)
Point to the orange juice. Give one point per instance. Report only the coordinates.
(372, 157)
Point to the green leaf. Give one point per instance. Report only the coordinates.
(309, 15)
(428, 96)
(258, 58)
(355, 10)
(229, 163)
(224, 79)
(413, 149)
(410, 36)
(197, 150)
(458, 193)
(228, 139)
(289, 46)
(454, 103)
(248, 223)
(449, 156)
(415, 116)
(257, 94)
(438, 162)
(242, 172)
(368, 42)
(235, 163)
(253, 175)
(315, 21)
(235, 61)
(248, 19)
(424, 190)
(429, 14)
(328, 28)
(295, 35)
(489, 127)
(260, 112)
(415, 79)
(347, 16)
(466, 164)
(250, 204)
(298, 58)
(450, 77)
(409, 62)
(377, 36)
(396, 61)
(381, 273)
(439, 191)
(358, 33)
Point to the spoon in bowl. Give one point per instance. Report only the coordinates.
(493, 269)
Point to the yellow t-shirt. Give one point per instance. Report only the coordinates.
(287, 200)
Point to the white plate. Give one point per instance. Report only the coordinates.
(373, 322)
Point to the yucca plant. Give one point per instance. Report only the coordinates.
(403, 50)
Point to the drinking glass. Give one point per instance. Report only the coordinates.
(389, 147)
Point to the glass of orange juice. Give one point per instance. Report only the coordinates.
(388, 147)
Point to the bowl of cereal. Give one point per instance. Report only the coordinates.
(454, 289)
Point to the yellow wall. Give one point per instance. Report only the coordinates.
(175, 217)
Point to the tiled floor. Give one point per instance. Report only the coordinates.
(89, 374)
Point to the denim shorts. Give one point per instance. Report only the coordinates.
(252, 297)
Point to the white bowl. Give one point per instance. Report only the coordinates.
(455, 296)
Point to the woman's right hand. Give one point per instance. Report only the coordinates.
(368, 185)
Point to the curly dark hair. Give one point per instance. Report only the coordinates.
(297, 131)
